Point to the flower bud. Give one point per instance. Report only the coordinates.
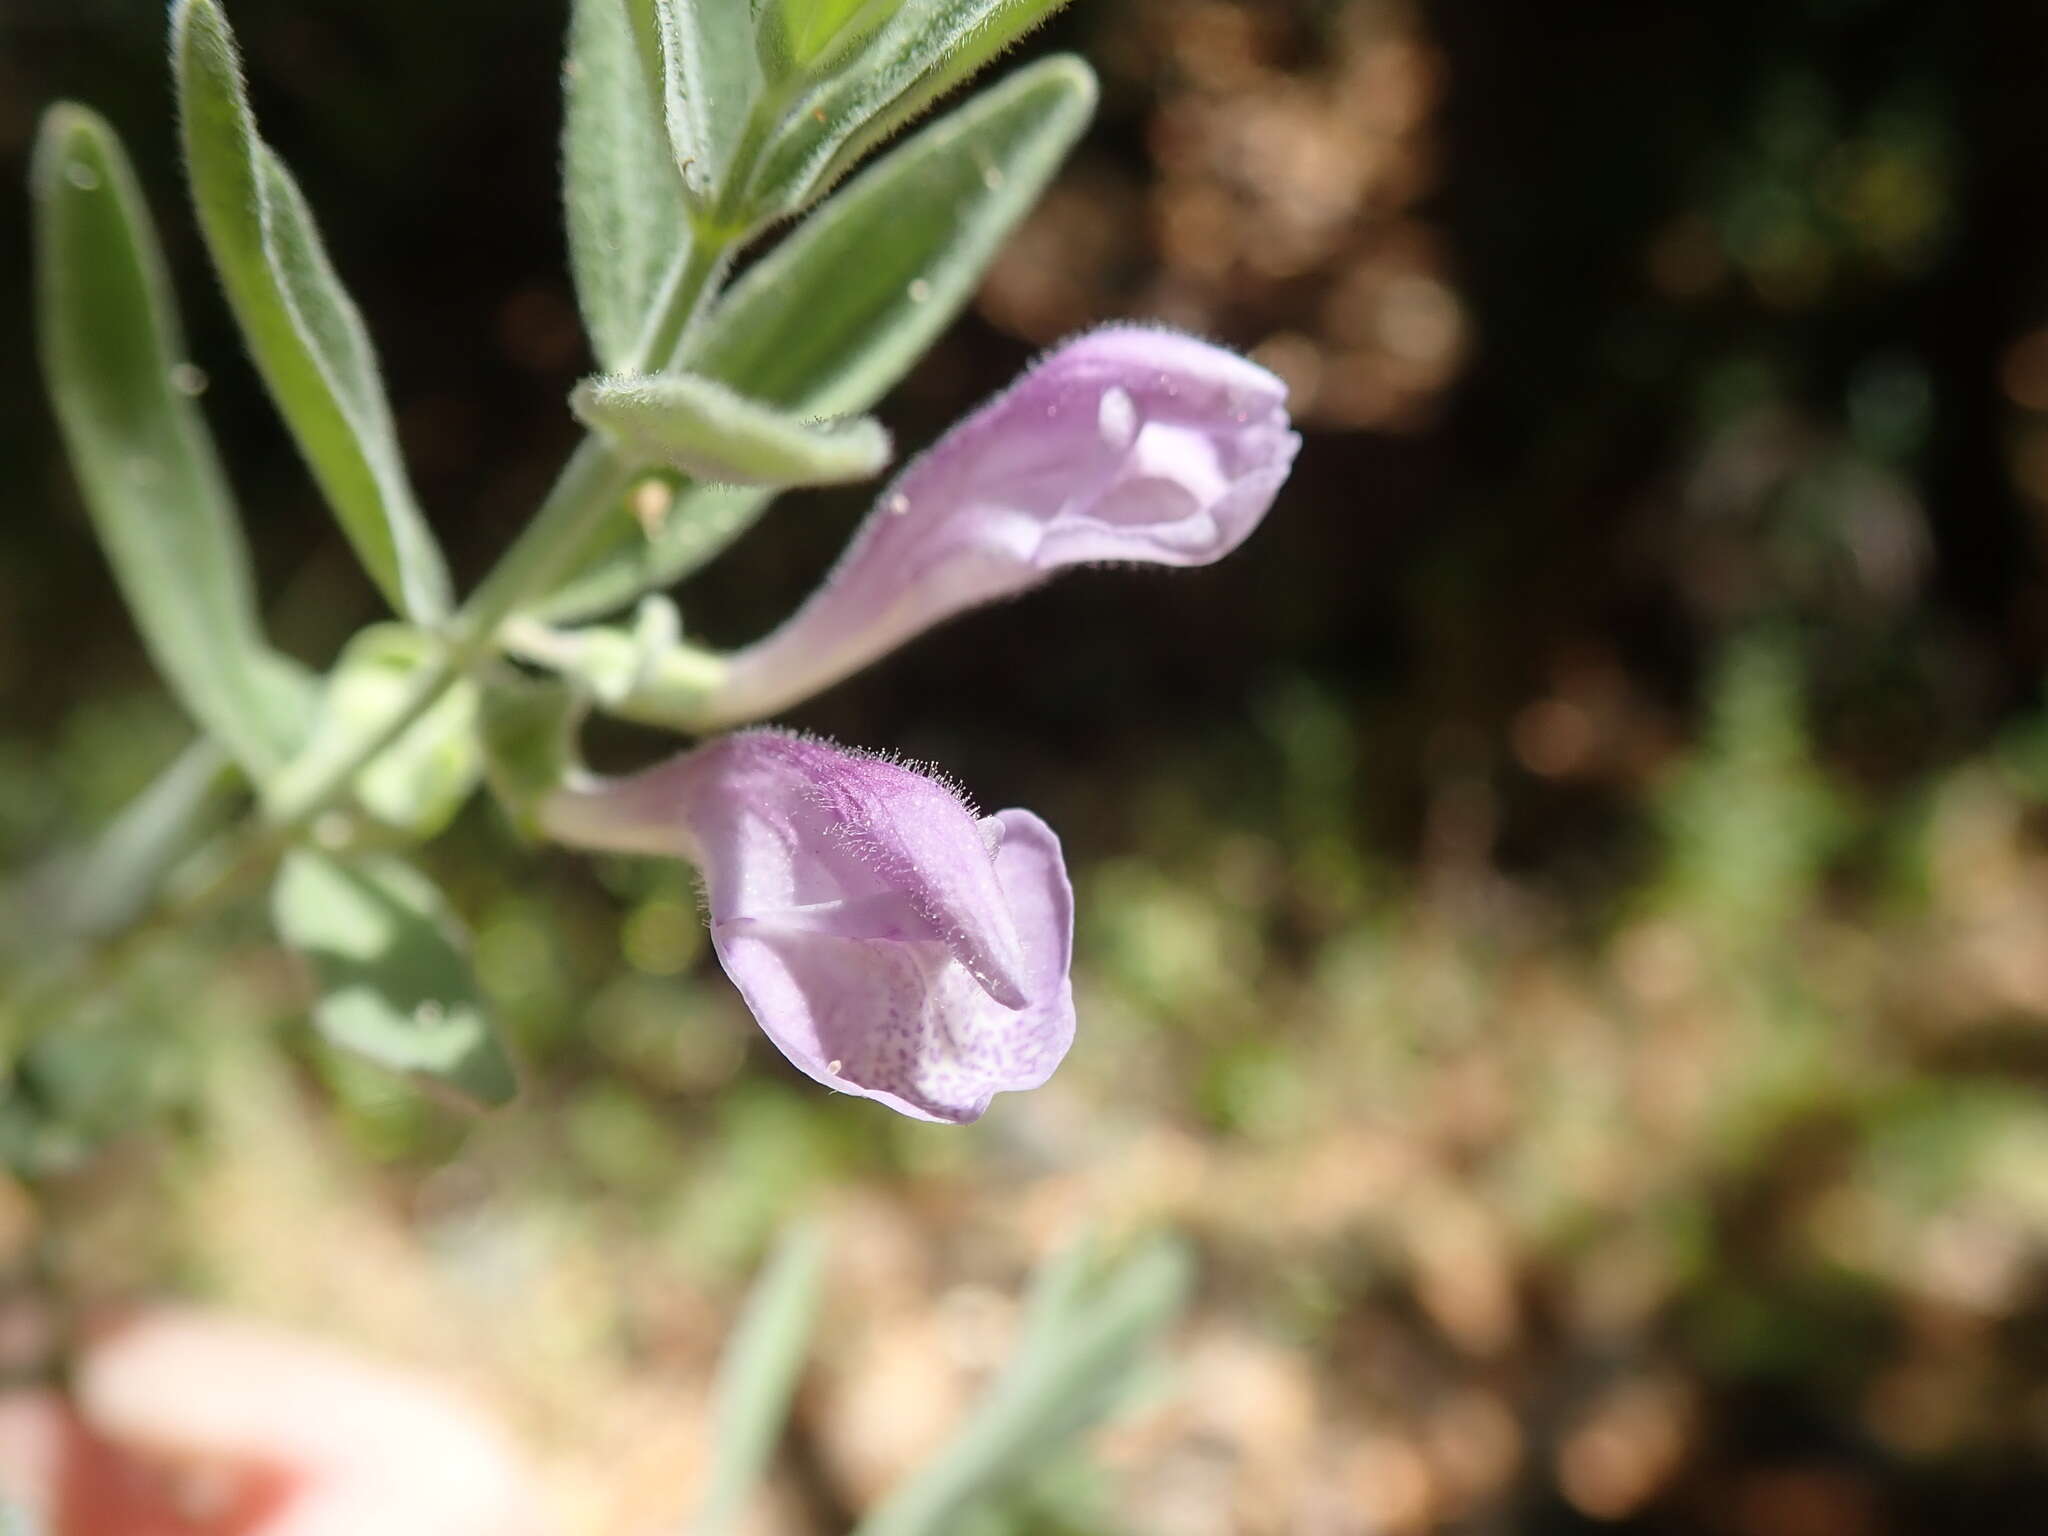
(1125, 444)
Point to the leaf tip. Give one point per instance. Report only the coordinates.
(1074, 75)
(202, 19)
(70, 135)
(204, 55)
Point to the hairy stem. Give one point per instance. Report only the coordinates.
(568, 523)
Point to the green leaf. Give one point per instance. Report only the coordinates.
(1085, 1338)
(300, 325)
(626, 214)
(812, 29)
(700, 522)
(530, 729)
(912, 59)
(757, 1376)
(702, 428)
(645, 18)
(826, 322)
(388, 958)
(1004, 25)
(711, 80)
(110, 884)
(837, 313)
(95, 889)
(420, 781)
(116, 371)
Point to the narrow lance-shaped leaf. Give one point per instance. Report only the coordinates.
(626, 215)
(117, 376)
(390, 966)
(301, 327)
(758, 1375)
(1001, 27)
(805, 34)
(96, 889)
(711, 78)
(835, 315)
(1085, 1342)
(645, 17)
(698, 523)
(110, 883)
(918, 54)
(702, 428)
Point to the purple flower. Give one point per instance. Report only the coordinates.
(891, 943)
(1124, 444)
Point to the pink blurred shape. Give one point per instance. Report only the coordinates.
(184, 1422)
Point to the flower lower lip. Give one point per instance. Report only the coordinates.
(935, 977)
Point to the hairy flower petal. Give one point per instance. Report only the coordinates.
(1125, 444)
(889, 942)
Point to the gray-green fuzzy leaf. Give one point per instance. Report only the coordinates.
(1085, 1341)
(115, 364)
(807, 33)
(700, 522)
(758, 1376)
(626, 215)
(109, 884)
(831, 318)
(835, 315)
(711, 78)
(300, 325)
(916, 56)
(389, 961)
(715, 434)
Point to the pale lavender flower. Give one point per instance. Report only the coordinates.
(1125, 444)
(892, 944)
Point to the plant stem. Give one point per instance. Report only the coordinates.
(590, 487)
(585, 497)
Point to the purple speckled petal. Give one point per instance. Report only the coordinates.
(888, 942)
(1125, 444)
